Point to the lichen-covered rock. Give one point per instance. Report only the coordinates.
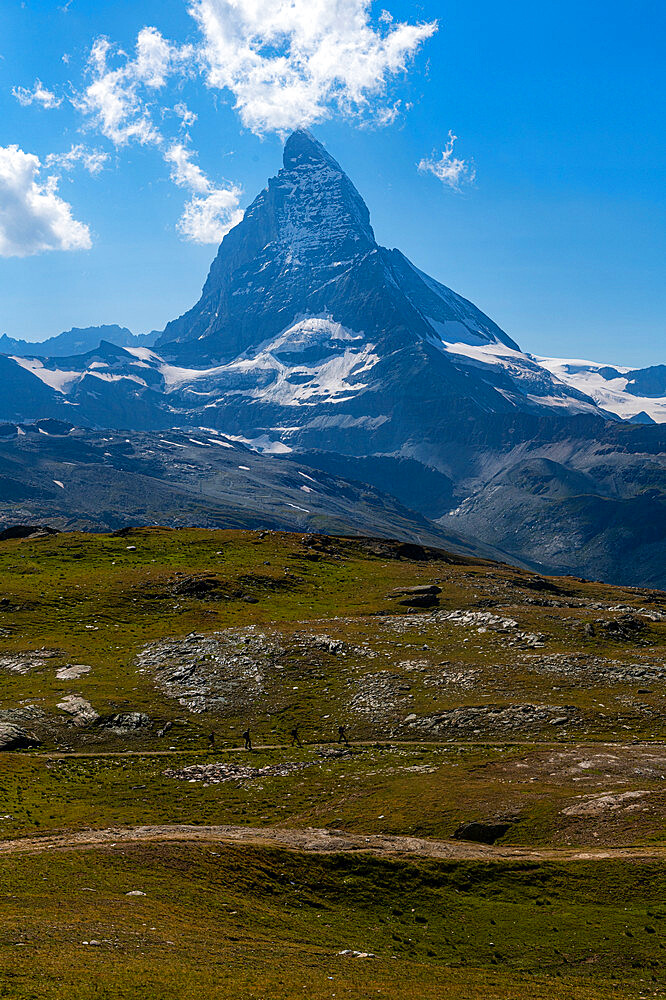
(80, 710)
(223, 670)
(126, 722)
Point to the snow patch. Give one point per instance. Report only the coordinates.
(54, 378)
(262, 444)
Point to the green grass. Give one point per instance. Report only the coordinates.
(97, 603)
(240, 921)
(264, 924)
(412, 790)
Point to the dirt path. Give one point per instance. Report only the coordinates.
(314, 840)
(383, 744)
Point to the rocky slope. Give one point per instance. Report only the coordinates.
(69, 478)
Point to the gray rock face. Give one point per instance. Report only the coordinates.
(302, 232)
(81, 711)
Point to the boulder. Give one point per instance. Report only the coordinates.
(27, 531)
(15, 738)
(80, 710)
(482, 833)
(426, 596)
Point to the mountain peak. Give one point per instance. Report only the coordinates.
(320, 216)
(301, 148)
(306, 248)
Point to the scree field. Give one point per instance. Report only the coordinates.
(456, 786)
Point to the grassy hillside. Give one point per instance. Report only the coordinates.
(530, 707)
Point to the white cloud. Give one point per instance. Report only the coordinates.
(184, 173)
(92, 160)
(187, 117)
(209, 219)
(33, 217)
(38, 95)
(114, 101)
(120, 102)
(387, 115)
(286, 63)
(290, 63)
(211, 211)
(156, 58)
(448, 168)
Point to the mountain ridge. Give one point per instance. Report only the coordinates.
(76, 341)
(312, 342)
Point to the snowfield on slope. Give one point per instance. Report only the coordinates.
(314, 360)
(607, 386)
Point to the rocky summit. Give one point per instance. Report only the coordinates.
(311, 342)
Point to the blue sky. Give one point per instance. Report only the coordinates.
(553, 221)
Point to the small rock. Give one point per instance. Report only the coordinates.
(81, 710)
(71, 673)
(431, 588)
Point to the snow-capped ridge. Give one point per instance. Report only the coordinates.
(614, 388)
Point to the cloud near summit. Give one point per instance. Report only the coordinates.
(283, 64)
(289, 63)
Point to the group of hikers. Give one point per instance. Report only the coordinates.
(295, 738)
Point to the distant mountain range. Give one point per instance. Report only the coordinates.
(78, 340)
(313, 344)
